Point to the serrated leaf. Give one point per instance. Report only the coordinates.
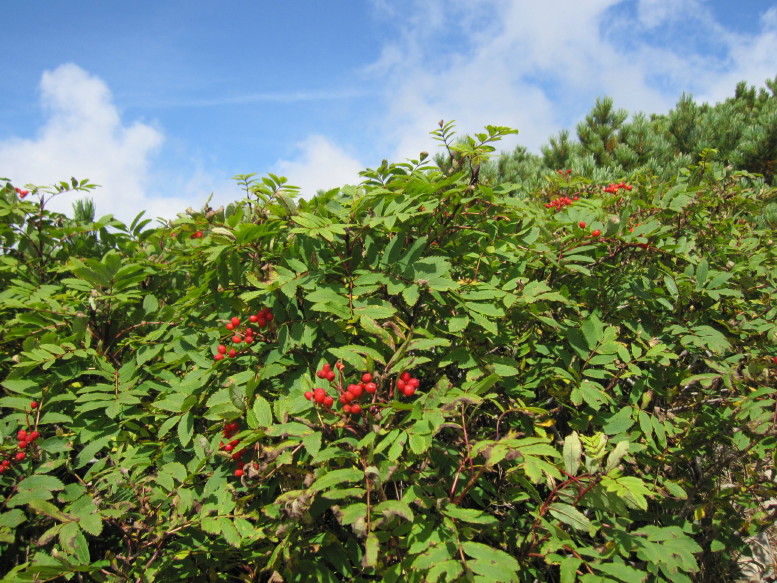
(570, 515)
(572, 452)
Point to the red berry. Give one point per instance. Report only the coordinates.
(222, 349)
(327, 367)
(319, 395)
(356, 408)
(232, 353)
(347, 408)
(238, 473)
(235, 321)
(33, 436)
(34, 405)
(321, 374)
(330, 375)
(370, 388)
(23, 444)
(218, 356)
(5, 463)
(237, 339)
(366, 377)
(405, 376)
(355, 390)
(596, 233)
(261, 322)
(253, 318)
(230, 326)
(309, 395)
(229, 447)
(401, 385)
(347, 397)
(268, 315)
(582, 224)
(409, 391)
(415, 383)
(21, 435)
(20, 456)
(329, 401)
(774, 358)
(340, 366)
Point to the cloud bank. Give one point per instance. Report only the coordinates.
(534, 66)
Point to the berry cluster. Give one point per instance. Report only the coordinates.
(197, 235)
(24, 439)
(262, 319)
(560, 202)
(612, 188)
(230, 447)
(407, 384)
(353, 392)
(22, 192)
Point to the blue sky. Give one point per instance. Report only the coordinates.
(161, 103)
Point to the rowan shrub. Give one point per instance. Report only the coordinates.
(592, 383)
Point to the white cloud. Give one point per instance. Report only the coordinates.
(85, 137)
(321, 165)
(652, 13)
(539, 66)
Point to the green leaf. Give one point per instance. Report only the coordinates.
(262, 411)
(471, 515)
(391, 508)
(371, 549)
(572, 452)
(335, 478)
(570, 515)
(491, 563)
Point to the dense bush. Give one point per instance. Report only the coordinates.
(594, 397)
